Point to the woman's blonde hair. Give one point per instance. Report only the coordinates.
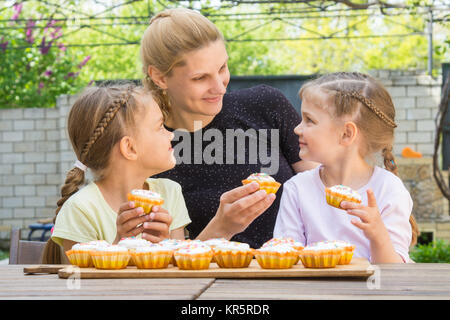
(98, 119)
(369, 104)
(172, 33)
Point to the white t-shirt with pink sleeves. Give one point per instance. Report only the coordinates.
(305, 215)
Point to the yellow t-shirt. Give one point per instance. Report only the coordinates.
(86, 215)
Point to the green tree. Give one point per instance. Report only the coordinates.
(35, 65)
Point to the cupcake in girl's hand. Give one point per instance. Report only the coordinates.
(280, 256)
(110, 257)
(153, 256)
(145, 199)
(321, 255)
(265, 182)
(233, 254)
(336, 194)
(193, 257)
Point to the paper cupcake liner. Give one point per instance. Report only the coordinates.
(268, 186)
(193, 262)
(146, 204)
(328, 258)
(152, 260)
(110, 260)
(81, 259)
(276, 261)
(335, 199)
(346, 257)
(232, 259)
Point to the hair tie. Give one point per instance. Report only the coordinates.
(78, 164)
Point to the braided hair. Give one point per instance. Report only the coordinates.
(371, 108)
(96, 123)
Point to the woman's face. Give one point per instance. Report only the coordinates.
(196, 88)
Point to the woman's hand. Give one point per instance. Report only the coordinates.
(131, 221)
(237, 210)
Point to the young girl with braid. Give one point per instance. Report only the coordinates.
(118, 133)
(347, 118)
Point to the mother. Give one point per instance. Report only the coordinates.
(220, 141)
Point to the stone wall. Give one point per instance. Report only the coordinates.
(35, 153)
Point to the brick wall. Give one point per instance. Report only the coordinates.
(35, 153)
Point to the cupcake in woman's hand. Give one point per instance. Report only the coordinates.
(145, 199)
(336, 194)
(110, 257)
(265, 181)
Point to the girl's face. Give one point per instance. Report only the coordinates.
(197, 87)
(318, 133)
(154, 149)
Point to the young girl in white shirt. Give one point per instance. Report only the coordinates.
(347, 118)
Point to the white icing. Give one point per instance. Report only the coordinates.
(320, 246)
(112, 248)
(152, 248)
(216, 241)
(347, 191)
(283, 240)
(132, 243)
(194, 250)
(238, 246)
(146, 193)
(83, 247)
(261, 177)
(282, 248)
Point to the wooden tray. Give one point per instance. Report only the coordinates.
(359, 267)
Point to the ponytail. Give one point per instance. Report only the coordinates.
(83, 140)
(389, 163)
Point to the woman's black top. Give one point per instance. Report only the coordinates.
(254, 132)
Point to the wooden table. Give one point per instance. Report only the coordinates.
(390, 281)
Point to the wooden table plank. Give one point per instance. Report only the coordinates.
(14, 284)
(412, 281)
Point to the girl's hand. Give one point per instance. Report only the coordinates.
(156, 228)
(369, 217)
(129, 221)
(237, 210)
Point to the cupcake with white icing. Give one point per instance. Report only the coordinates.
(80, 254)
(153, 256)
(348, 249)
(287, 241)
(336, 194)
(110, 257)
(321, 255)
(281, 256)
(145, 199)
(195, 256)
(265, 181)
(233, 254)
(132, 243)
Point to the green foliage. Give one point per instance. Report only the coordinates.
(434, 252)
(35, 65)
